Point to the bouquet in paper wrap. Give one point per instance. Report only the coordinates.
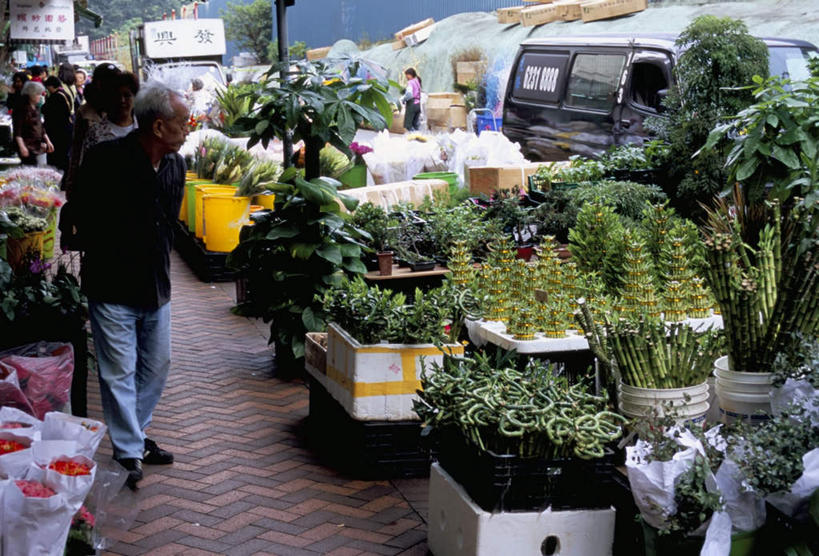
(87, 433)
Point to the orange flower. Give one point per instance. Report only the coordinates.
(70, 468)
(9, 446)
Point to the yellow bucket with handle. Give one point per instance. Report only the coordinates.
(224, 216)
(199, 192)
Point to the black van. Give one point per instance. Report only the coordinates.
(583, 94)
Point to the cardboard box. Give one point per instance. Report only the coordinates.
(419, 36)
(399, 44)
(410, 29)
(397, 125)
(538, 15)
(466, 72)
(605, 9)
(509, 15)
(457, 116)
(569, 9)
(318, 53)
(439, 106)
(487, 179)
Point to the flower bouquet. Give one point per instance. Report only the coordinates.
(87, 433)
(36, 519)
(15, 454)
(80, 536)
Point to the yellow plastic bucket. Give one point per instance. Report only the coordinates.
(190, 176)
(190, 208)
(266, 200)
(224, 217)
(199, 192)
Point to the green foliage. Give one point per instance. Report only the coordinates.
(555, 215)
(464, 222)
(695, 504)
(17, 218)
(371, 315)
(250, 26)
(258, 177)
(382, 228)
(120, 13)
(596, 242)
(775, 140)
(296, 51)
(234, 103)
(627, 198)
(333, 162)
(770, 455)
(34, 298)
(294, 254)
(318, 106)
(720, 59)
(512, 216)
(651, 155)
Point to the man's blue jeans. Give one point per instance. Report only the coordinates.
(133, 348)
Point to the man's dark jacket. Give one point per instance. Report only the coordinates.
(126, 215)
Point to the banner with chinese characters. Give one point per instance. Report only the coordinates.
(41, 20)
(184, 38)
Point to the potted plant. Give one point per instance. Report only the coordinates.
(496, 419)
(516, 220)
(294, 253)
(383, 233)
(356, 176)
(375, 341)
(414, 244)
(30, 239)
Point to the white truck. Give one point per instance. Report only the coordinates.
(179, 50)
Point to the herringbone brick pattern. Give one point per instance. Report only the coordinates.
(244, 481)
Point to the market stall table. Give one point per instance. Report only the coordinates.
(406, 280)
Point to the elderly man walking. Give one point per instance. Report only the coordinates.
(128, 193)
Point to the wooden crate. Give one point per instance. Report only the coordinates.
(539, 14)
(606, 9)
(410, 29)
(507, 16)
(318, 53)
(466, 72)
(569, 9)
(487, 179)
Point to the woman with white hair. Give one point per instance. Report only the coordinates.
(29, 133)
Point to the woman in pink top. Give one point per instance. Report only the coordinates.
(412, 96)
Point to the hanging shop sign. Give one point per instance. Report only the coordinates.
(181, 38)
(41, 20)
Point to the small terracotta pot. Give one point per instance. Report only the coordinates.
(525, 252)
(385, 263)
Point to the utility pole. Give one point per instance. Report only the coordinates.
(284, 60)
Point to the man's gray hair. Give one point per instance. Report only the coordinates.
(153, 101)
(32, 88)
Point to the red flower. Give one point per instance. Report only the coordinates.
(70, 468)
(9, 446)
(14, 425)
(34, 489)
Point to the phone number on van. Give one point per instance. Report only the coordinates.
(541, 78)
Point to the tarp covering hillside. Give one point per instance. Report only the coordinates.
(796, 19)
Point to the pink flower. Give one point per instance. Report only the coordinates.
(34, 489)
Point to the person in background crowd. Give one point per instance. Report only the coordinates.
(66, 75)
(412, 97)
(37, 73)
(198, 98)
(29, 134)
(57, 119)
(17, 81)
(97, 95)
(119, 112)
(128, 297)
(80, 77)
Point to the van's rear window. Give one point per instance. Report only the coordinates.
(540, 76)
(594, 79)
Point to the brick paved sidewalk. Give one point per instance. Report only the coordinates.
(244, 481)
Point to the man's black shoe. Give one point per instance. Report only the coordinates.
(154, 455)
(134, 468)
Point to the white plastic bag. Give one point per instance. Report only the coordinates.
(799, 392)
(34, 525)
(87, 433)
(15, 465)
(789, 502)
(746, 509)
(718, 536)
(10, 416)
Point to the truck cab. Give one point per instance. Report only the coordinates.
(584, 94)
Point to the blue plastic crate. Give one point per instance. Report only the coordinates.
(487, 122)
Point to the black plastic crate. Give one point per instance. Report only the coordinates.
(364, 449)
(209, 266)
(504, 483)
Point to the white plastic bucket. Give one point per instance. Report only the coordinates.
(638, 402)
(742, 396)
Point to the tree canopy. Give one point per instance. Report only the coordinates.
(250, 26)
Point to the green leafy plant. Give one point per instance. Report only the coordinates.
(34, 298)
(513, 218)
(652, 155)
(260, 174)
(295, 253)
(627, 198)
(382, 228)
(555, 215)
(775, 141)
(316, 105)
(800, 362)
(719, 59)
(372, 315)
(464, 222)
(234, 103)
(596, 242)
(333, 162)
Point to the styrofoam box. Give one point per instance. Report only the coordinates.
(459, 527)
(376, 382)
